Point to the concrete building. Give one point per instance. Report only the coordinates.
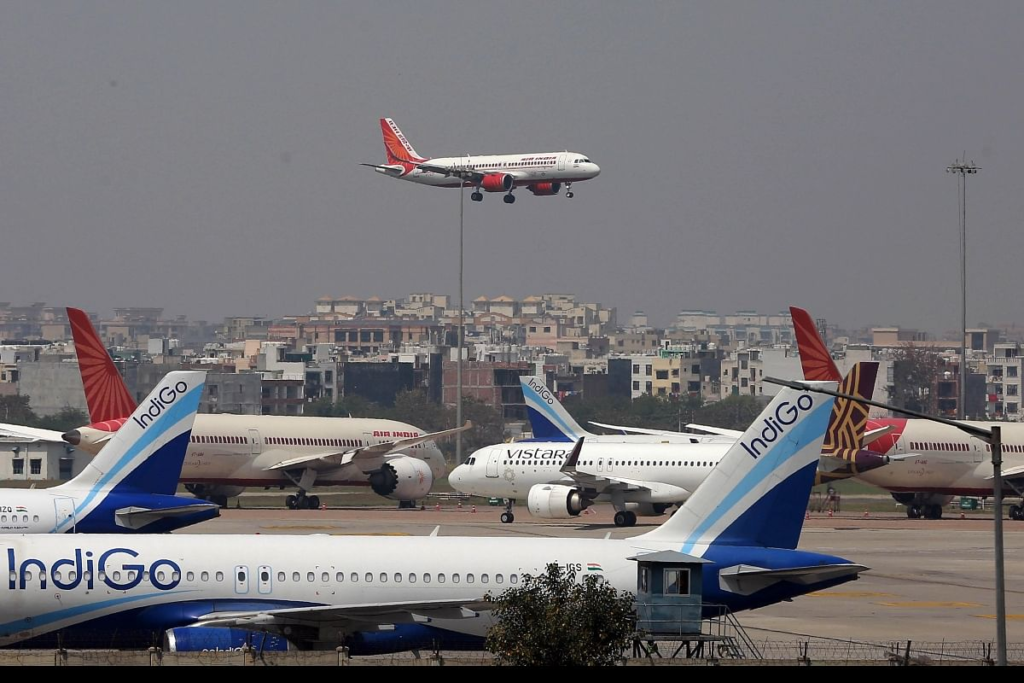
(39, 461)
(496, 384)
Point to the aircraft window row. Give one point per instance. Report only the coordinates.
(202, 438)
(302, 441)
(621, 463)
(384, 577)
(14, 518)
(932, 446)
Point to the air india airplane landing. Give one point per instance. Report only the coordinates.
(542, 173)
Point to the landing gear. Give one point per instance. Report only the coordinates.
(509, 198)
(507, 517)
(914, 511)
(219, 501)
(407, 505)
(477, 196)
(625, 518)
(569, 194)
(933, 512)
(1016, 512)
(302, 502)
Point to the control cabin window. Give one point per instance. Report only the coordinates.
(676, 582)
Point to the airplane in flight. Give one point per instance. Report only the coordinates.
(228, 453)
(639, 473)
(130, 485)
(930, 462)
(542, 173)
(744, 522)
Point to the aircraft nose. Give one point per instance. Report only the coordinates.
(74, 437)
(455, 477)
(596, 170)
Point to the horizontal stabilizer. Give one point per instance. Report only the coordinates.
(745, 579)
(31, 434)
(873, 435)
(136, 517)
(392, 613)
(386, 169)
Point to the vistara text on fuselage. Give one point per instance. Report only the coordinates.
(542, 173)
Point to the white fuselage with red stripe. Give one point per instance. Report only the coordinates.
(525, 169)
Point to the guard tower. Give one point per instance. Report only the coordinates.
(669, 606)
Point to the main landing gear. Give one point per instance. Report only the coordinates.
(1016, 512)
(625, 518)
(569, 194)
(925, 511)
(507, 517)
(302, 502)
(477, 196)
(509, 198)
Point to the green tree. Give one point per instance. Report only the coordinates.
(915, 370)
(734, 412)
(66, 419)
(16, 410)
(554, 620)
(488, 426)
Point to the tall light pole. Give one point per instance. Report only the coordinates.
(963, 168)
(993, 437)
(458, 364)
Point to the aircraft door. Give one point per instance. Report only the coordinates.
(561, 162)
(65, 509)
(265, 575)
(241, 580)
(600, 464)
(492, 462)
(255, 444)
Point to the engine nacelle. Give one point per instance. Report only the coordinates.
(213, 492)
(497, 182)
(553, 501)
(545, 189)
(219, 639)
(402, 478)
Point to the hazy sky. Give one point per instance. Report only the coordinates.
(204, 156)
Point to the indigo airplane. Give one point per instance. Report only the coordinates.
(130, 485)
(641, 474)
(744, 521)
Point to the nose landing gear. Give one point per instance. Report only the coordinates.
(569, 194)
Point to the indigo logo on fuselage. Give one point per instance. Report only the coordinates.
(68, 574)
(159, 403)
(774, 427)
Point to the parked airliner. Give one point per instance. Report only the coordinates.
(930, 462)
(230, 452)
(744, 521)
(639, 473)
(130, 485)
(542, 173)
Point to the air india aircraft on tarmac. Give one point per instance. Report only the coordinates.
(542, 173)
(227, 453)
(929, 462)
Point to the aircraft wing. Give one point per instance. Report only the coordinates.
(873, 435)
(464, 173)
(391, 613)
(637, 430)
(1011, 473)
(716, 430)
(135, 517)
(369, 458)
(603, 483)
(744, 579)
(30, 433)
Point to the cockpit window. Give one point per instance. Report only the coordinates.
(586, 161)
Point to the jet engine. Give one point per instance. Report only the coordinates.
(545, 189)
(497, 182)
(402, 478)
(552, 501)
(218, 639)
(215, 493)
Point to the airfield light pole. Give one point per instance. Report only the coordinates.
(458, 363)
(963, 169)
(993, 437)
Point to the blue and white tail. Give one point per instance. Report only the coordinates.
(548, 419)
(758, 493)
(147, 452)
